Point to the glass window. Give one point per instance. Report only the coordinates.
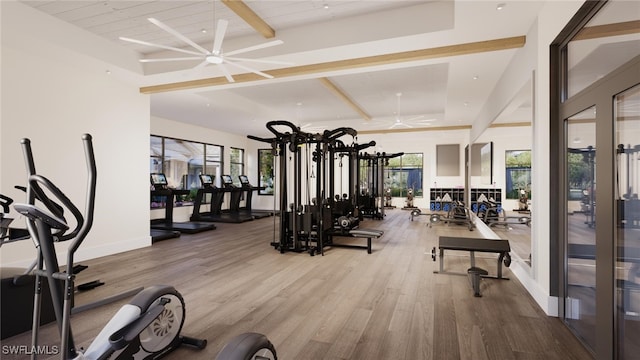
(155, 161)
(265, 166)
(237, 165)
(183, 161)
(609, 40)
(404, 173)
(213, 161)
(518, 173)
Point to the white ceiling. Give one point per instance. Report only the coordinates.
(447, 91)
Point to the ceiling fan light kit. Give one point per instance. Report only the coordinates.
(206, 57)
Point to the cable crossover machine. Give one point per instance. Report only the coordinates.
(324, 204)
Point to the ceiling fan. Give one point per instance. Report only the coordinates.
(398, 121)
(216, 56)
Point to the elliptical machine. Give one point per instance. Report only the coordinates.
(148, 327)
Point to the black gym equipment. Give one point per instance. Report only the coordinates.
(216, 196)
(628, 203)
(148, 327)
(7, 233)
(312, 226)
(18, 283)
(248, 190)
(492, 214)
(372, 190)
(161, 190)
(235, 197)
(457, 213)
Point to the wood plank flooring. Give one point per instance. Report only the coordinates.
(344, 305)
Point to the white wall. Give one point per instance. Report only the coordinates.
(533, 58)
(423, 142)
(53, 95)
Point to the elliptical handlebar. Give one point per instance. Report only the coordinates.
(34, 190)
(35, 181)
(92, 172)
(5, 202)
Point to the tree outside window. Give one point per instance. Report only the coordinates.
(237, 165)
(518, 173)
(404, 173)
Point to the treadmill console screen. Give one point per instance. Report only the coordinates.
(227, 180)
(207, 180)
(158, 179)
(244, 179)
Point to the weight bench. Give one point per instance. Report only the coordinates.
(357, 233)
(473, 245)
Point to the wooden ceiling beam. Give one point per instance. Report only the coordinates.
(439, 128)
(417, 129)
(607, 30)
(250, 17)
(335, 90)
(393, 58)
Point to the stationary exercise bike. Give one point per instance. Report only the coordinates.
(148, 327)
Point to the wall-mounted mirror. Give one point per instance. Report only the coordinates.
(500, 174)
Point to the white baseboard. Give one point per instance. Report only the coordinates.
(548, 304)
(91, 252)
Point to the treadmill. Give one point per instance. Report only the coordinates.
(161, 189)
(248, 194)
(201, 198)
(233, 213)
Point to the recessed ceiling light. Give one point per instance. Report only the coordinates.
(476, 77)
(204, 31)
(501, 6)
(108, 72)
(466, 103)
(326, 6)
(577, 140)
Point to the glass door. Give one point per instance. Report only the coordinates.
(627, 239)
(580, 175)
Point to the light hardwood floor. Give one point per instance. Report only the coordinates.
(344, 305)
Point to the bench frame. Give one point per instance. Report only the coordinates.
(473, 245)
(357, 233)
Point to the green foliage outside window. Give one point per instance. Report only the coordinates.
(404, 173)
(518, 173)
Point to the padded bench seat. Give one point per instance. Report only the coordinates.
(359, 233)
(473, 245)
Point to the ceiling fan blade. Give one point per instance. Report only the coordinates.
(248, 69)
(158, 46)
(171, 59)
(260, 61)
(255, 47)
(201, 65)
(226, 73)
(171, 31)
(220, 31)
